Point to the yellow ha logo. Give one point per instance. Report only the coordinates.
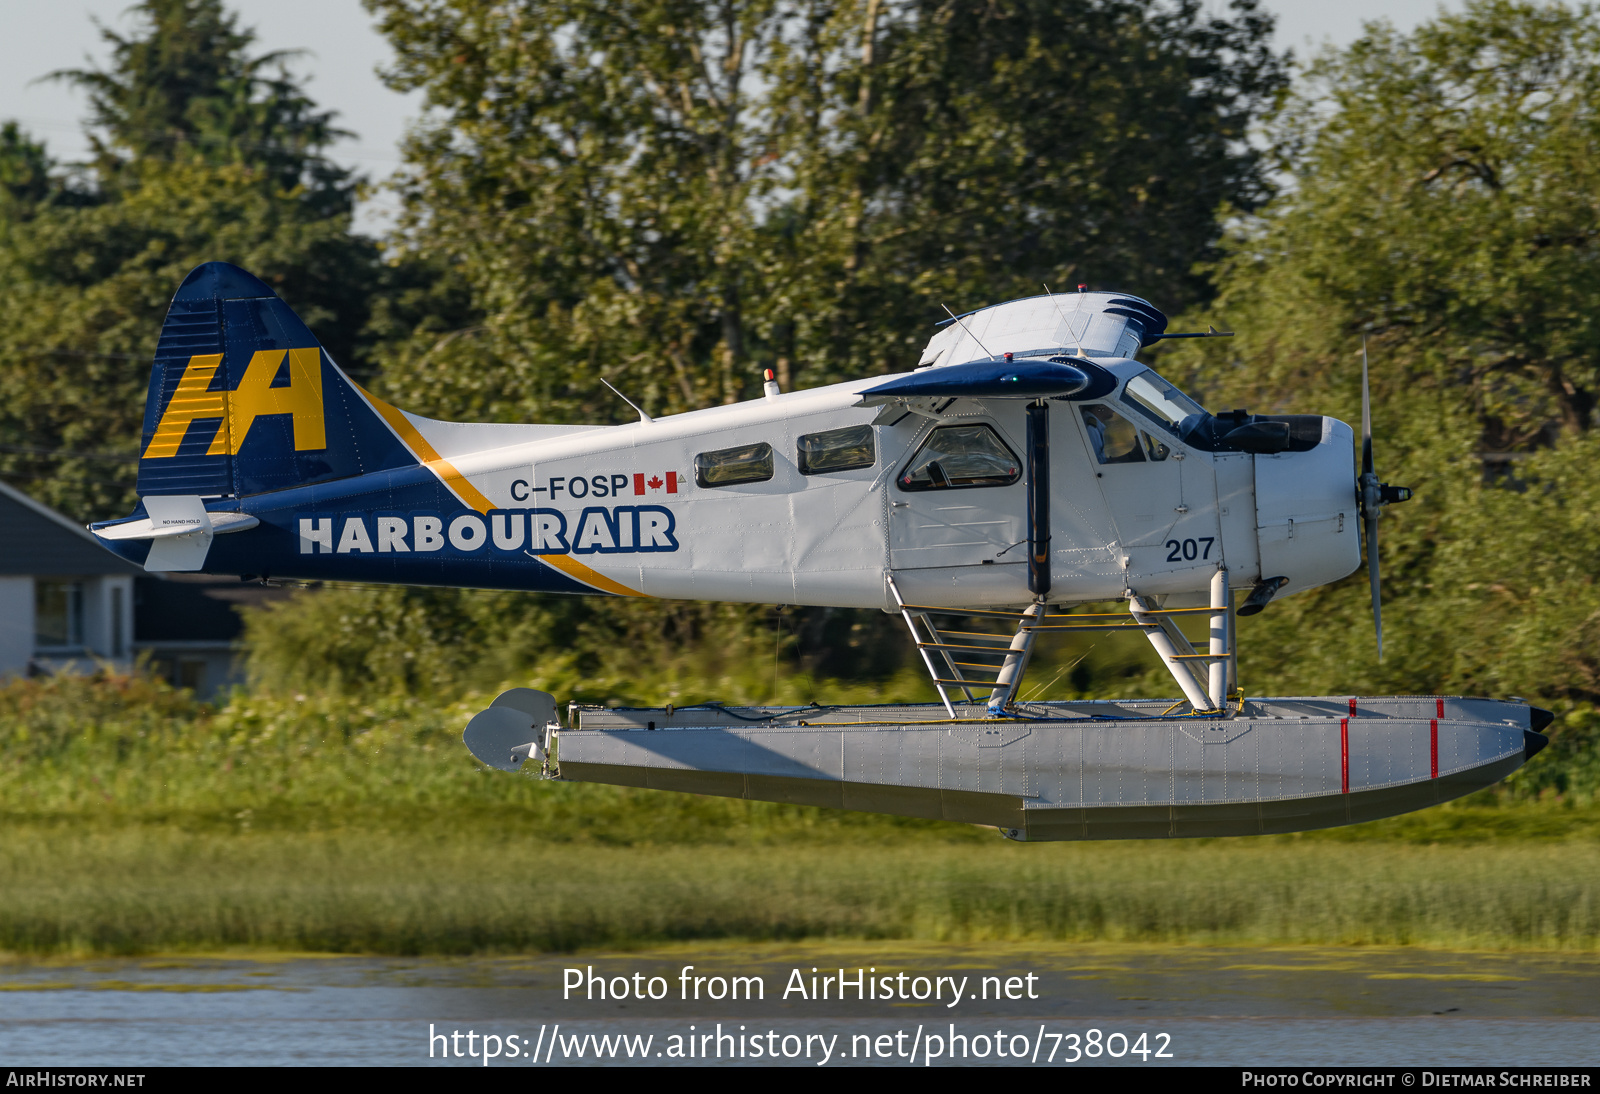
(238, 409)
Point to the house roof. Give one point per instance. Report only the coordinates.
(39, 540)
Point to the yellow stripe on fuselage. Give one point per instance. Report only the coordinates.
(472, 497)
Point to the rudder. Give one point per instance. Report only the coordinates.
(243, 399)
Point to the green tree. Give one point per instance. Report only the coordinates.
(1445, 199)
(675, 194)
(200, 155)
(1442, 204)
(25, 173)
(184, 87)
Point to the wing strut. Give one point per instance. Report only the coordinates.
(1039, 499)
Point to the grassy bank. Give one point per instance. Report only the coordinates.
(121, 750)
(72, 889)
(136, 820)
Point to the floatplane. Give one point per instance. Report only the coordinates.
(1026, 466)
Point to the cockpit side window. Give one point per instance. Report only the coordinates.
(1159, 401)
(1115, 440)
(956, 456)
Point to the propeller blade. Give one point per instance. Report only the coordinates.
(1370, 494)
(1366, 413)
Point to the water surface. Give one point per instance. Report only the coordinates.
(1214, 1005)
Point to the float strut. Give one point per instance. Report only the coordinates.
(1221, 649)
(1016, 662)
(1146, 613)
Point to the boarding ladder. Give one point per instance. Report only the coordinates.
(963, 662)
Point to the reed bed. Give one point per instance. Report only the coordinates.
(72, 889)
(134, 820)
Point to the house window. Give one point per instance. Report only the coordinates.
(118, 647)
(190, 674)
(58, 615)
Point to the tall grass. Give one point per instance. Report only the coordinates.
(120, 749)
(70, 889)
(127, 750)
(136, 819)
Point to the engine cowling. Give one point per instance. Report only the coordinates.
(1307, 524)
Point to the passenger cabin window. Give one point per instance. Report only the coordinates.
(1160, 401)
(1115, 440)
(730, 466)
(836, 450)
(956, 456)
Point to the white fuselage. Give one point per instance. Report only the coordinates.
(1155, 528)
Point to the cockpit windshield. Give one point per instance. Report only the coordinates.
(1161, 402)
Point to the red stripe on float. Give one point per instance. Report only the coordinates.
(1439, 709)
(1352, 706)
(1344, 753)
(1433, 749)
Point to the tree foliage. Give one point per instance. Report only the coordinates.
(1442, 205)
(1445, 199)
(674, 194)
(24, 172)
(444, 642)
(200, 155)
(186, 88)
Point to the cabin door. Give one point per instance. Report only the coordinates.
(958, 498)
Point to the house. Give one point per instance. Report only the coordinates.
(68, 605)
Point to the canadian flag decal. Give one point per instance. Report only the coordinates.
(654, 482)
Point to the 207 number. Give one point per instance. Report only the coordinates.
(1187, 550)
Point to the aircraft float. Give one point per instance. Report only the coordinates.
(1027, 465)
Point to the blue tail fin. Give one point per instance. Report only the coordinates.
(244, 399)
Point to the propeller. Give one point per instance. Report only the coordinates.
(1372, 496)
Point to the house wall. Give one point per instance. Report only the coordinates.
(108, 630)
(210, 669)
(16, 624)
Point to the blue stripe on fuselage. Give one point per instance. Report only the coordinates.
(274, 547)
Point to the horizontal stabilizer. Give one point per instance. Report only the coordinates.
(181, 533)
(145, 528)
